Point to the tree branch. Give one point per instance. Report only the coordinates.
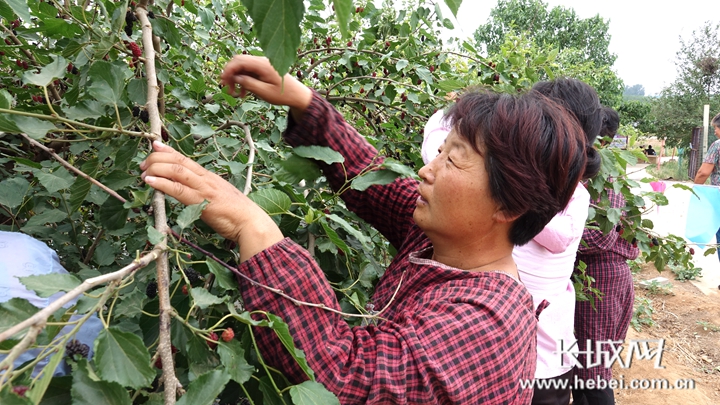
(171, 384)
(73, 168)
(42, 316)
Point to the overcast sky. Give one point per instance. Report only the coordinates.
(644, 33)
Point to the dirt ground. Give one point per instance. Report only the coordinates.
(689, 321)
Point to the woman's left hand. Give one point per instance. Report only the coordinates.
(229, 212)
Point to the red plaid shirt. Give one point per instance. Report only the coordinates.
(449, 337)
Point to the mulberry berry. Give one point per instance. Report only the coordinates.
(20, 390)
(74, 347)
(136, 52)
(212, 343)
(135, 111)
(151, 291)
(228, 335)
(144, 116)
(192, 275)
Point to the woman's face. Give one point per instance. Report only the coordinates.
(455, 198)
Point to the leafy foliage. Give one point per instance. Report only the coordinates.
(72, 79)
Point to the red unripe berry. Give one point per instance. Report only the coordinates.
(213, 339)
(692, 251)
(432, 68)
(349, 43)
(299, 74)
(136, 52)
(374, 74)
(228, 335)
(185, 290)
(20, 390)
(362, 90)
(419, 81)
(328, 40)
(387, 44)
(158, 363)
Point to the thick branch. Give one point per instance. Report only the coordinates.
(41, 317)
(171, 383)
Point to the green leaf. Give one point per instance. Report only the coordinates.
(38, 390)
(614, 214)
(450, 85)
(55, 181)
(105, 253)
(13, 191)
(224, 277)
(85, 109)
(399, 168)
(401, 64)
(277, 27)
(203, 299)
(190, 214)
(296, 168)
(46, 285)
(81, 187)
(131, 304)
(376, 177)
(113, 215)
(322, 153)
(349, 229)
(20, 8)
(47, 74)
(118, 179)
(424, 74)
(137, 91)
(107, 83)
(232, 356)
(52, 216)
(5, 99)
(312, 393)
(14, 311)
(343, 12)
(122, 357)
(283, 333)
(87, 391)
(205, 388)
(154, 236)
(334, 237)
(274, 202)
(32, 127)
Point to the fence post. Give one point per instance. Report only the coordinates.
(695, 156)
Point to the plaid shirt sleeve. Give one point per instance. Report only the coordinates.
(388, 208)
(452, 337)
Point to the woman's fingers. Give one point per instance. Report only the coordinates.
(174, 174)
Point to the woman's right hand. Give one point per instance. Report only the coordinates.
(256, 75)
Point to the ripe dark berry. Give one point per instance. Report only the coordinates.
(618, 227)
(158, 363)
(228, 335)
(74, 347)
(193, 276)
(655, 242)
(144, 116)
(151, 291)
(213, 339)
(164, 134)
(135, 111)
(299, 74)
(151, 14)
(20, 390)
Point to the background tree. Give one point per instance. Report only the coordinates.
(634, 90)
(582, 43)
(680, 106)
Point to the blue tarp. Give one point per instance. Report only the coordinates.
(703, 217)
